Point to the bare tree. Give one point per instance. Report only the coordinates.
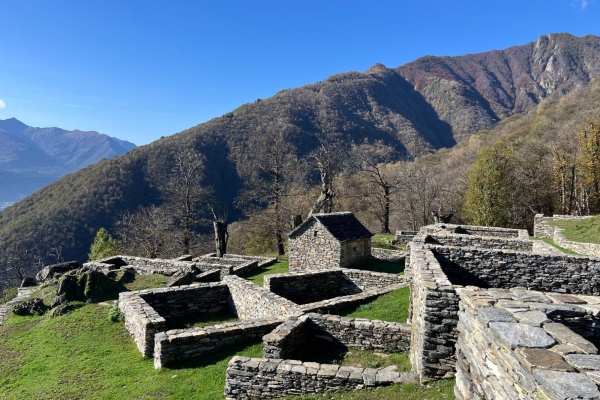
(147, 232)
(421, 189)
(186, 199)
(373, 164)
(267, 172)
(328, 159)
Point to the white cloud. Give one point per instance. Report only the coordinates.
(582, 4)
(2, 104)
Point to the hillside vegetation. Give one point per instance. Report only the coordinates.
(387, 116)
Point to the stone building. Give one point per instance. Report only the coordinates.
(324, 241)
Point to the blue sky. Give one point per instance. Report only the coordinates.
(139, 70)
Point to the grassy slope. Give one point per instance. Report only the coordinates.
(585, 231)
(383, 241)
(83, 355)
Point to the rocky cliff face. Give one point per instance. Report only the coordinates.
(474, 91)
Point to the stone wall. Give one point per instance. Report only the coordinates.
(372, 280)
(352, 252)
(487, 231)
(405, 236)
(249, 378)
(483, 242)
(510, 347)
(182, 344)
(309, 287)
(387, 255)
(544, 230)
(187, 300)
(506, 269)
(290, 338)
(141, 320)
(434, 308)
(540, 246)
(313, 248)
(250, 301)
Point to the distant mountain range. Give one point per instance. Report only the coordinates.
(420, 107)
(31, 158)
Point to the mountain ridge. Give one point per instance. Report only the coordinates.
(420, 107)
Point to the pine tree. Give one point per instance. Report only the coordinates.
(104, 246)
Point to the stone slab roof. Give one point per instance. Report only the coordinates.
(342, 225)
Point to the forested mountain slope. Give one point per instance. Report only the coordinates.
(423, 106)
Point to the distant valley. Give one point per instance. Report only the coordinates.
(31, 158)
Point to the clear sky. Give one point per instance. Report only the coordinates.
(139, 70)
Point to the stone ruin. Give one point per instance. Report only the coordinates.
(508, 317)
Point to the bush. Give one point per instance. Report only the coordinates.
(115, 315)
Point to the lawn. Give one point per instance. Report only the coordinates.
(383, 241)
(280, 267)
(585, 231)
(379, 266)
(391, 306)
(84, 355)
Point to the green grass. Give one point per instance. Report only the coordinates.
(584, 231)
(391, 307)
(280, 267)
(142, 282)
(551, 243)
(412, 391)
(378, 266)
(383, 241)
(83, 355)
(323, 352)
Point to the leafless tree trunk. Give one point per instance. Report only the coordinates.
(186, 198)
(328, 159)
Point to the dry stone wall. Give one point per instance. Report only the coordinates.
(310, 287)
(331, 306)
(183, 344)
(543, 230)
(141, 320)
(250, 301)
(434, 308)
(313, 248)
(187, 300)
(291, 337)
(490, 242)
(387, 255)
(510, 347)
(249, 378)
(506, 269)
(405, 236)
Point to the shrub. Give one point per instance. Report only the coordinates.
(115, 315)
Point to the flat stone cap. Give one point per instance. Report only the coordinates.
(521, 335)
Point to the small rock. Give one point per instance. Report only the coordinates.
(29, 307)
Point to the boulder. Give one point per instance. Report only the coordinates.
(85, 285)
(61, 309)
(55, 270)
(59, 300)
(29, 307)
